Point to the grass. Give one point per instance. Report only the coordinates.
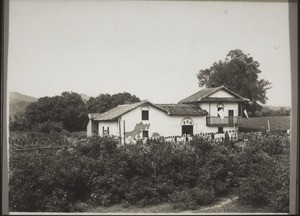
(227, 204)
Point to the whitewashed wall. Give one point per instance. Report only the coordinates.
(212, 108)
(89, 128)
(221, 94)
(161, 123)
(113, 127)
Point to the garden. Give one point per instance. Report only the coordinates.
(67, 172)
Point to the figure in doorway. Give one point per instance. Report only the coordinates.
(226, 136)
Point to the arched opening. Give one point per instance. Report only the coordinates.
(187, 127)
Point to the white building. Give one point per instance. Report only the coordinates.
(213, 110)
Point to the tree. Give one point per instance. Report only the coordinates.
(69, 109)
(239, 73)
(105, 102)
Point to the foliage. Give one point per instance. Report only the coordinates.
(69, 108)
(106, 102)
(264, 172)
(282, 111)
(48, 127)
(18, 123)
(192, 198)
(54, 172)
(239, 73)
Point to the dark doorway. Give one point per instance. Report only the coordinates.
(187, 129)
(230, 117)
(220, 130)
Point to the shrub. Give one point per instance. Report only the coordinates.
(264, 169)
(255, 191)
(142, 192)
(49, 127)
(280, 200)
(191, 198)
(96, 171)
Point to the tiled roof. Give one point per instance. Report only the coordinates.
(215, 99)
(198, 95)
(114, 113)
(182, 109)
(170, 109)
(204, 93)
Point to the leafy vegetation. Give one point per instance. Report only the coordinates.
(275, 111)
(55, 172)
(65, 112)
(239, 73)
(105, 102)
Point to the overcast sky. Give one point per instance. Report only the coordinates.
(152, 49)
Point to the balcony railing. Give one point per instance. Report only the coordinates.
(226, 121)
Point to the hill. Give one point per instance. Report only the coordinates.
(84, 96)
(16, 97)
(18, 103)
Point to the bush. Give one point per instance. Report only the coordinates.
(142, 192)
(75, 172)
(264, 169)
(280, 200)
(191, 198)
(254, 191)
(48, 127)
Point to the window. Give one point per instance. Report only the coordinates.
(220, 106)
(145, 115)
(220, 130)
(145, 134)
(105, 132)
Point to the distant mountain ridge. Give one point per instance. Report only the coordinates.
(84, 96)
(16, 96)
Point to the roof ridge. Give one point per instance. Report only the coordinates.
(201, 90)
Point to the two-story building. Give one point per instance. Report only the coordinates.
(213, 110)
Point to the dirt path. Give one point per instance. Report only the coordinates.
(165, 207)
(222, 202)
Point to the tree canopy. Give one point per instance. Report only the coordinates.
(104, 102)
(69, 109)
(239, 73)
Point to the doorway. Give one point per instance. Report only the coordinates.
(230, 117)
(187, 129)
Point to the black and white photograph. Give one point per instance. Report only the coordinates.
(149, 107)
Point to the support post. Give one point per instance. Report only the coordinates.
(124, 131)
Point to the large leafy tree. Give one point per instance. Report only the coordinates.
(104, 102)
(239, 73)
(69, 109)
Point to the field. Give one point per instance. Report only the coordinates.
(261, 123)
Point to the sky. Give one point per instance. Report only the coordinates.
(152, 49)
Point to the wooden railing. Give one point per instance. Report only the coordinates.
(226, 121)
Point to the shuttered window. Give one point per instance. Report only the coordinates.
(145, 134)
(145, 115)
